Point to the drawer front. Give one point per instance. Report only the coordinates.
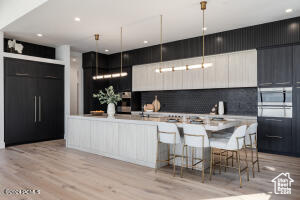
(275, 135)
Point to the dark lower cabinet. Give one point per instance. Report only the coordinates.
(296, 120)
(275, 135)
(34, 101)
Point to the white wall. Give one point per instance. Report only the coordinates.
(76, 84)
(2, 145)
(63, 53)
(11, 10)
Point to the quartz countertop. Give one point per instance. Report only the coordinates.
(168, 114)
(211, 125)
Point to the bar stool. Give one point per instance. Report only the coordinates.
(236, 143)
(168, 133)
(195, 136)
(251, 143)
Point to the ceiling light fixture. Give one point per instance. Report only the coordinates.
(186, 67)
(289, 10)
(74, 59)
(77, 19)
(106, 50)
(145, 42)
(39, 35)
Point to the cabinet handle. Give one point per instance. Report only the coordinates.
(283, 83)
(276, 120)
(274, 137)
(53, 77)
(21, 74)
(298, 82)
(297, 87)
(34, 109)
(265, 84)
(40, 108)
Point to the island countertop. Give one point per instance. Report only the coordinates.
(155, 120)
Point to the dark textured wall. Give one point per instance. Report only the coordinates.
(238, 101)
(259, 36)
(33, 49)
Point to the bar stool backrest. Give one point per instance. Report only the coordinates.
(238, 133)
(251, 130)
(168, 133)
(195, 135)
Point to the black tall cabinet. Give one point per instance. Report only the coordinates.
(296, 98)
(34, 101)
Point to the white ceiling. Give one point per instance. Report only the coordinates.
(140, 20)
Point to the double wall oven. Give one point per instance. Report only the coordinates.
(275, 102)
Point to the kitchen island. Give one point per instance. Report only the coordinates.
(129, 138)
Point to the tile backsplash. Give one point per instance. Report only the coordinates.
(239, 101)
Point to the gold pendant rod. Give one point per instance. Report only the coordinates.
(121, 41)
(97, 62)
(161, 38)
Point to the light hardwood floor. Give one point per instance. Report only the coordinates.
(67, 174)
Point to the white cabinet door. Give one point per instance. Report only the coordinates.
(236, 69)
(192, 79)
(127, 140)
(210, 73)
(177, 75)
(79, 133)
(250, 71)
(155, 80)
(139, 78)
(221, 69)
(172, 80)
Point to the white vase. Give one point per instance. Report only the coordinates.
(221, 108)
(111, 110)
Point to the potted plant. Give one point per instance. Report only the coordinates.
(109, 98)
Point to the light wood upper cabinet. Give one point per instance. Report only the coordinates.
(192, 79)
(238, 69)
(250, 71)
(155, 80)
(221, 69)
(210, 73)
(243, 69)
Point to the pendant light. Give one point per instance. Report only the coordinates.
(121, 74)
(186, 67)
(115, 75)
(97, 76)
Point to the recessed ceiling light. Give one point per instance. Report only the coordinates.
(77, 19)
(204, 29)
(74, 59)
(106, 50)
(39, 35)
(289, 10)
(145, 42)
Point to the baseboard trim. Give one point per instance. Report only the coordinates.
(2, 145)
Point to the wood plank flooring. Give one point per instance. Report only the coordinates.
(67, 174)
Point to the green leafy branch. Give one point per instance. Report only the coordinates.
(108, 97)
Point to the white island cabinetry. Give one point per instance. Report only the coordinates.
(130, 142)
